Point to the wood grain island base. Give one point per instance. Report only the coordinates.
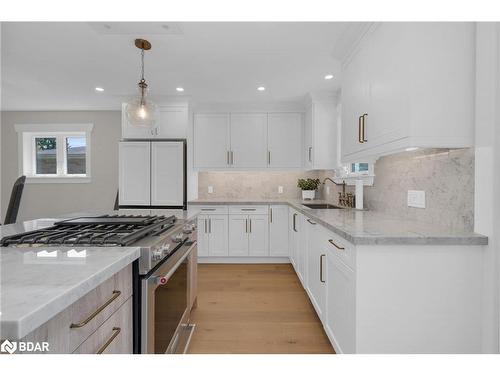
(254, 309)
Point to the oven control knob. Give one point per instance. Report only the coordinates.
(157, 254)
(165, 248)
(188, 228)
(177, 238)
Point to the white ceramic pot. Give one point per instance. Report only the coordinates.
(308, 194)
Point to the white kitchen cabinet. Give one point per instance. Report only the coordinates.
(238, 235)
(320, 132)
(248, 235)
(248, 134)
(340, 311)
(399, 87)
(302, 247)
(211, 140)
(167, 173)
(134, 173)
(172, 123)
(212, 235)
(292, 239)
(284, 137)
(278, 231)
(151, 173)
(316, 254)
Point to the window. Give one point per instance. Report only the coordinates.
(361, 168)
(59, 153)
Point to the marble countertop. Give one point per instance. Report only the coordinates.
(361, 227)
(38, 283)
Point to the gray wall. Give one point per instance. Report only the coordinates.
(49, 199)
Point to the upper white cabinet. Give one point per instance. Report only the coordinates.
(320, 132)
(134, 173)
(247, 140)
(211, 140)
(151, 173)
(408, 85)
(172, 123)
(284, 139)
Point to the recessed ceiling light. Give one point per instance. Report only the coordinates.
(100, 89)
(261, 88)
(411, 149)
(329, 76)
(180, 89)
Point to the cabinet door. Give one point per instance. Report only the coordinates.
(278, 231)
(292, 239)
(308, 137)
(340, 305)
(238, 235)
(325, 134)
(172, 122)
(217, 235)
(134, 173)
(202, 232)
(249, 140)
(301, 244)
(258, 237)
(315, 267)
(284, 137)
(211, 140)
(134, 132)
(167, 173)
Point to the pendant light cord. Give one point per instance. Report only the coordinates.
(142, 64)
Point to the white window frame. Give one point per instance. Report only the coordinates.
(343, 173)
(27, 151)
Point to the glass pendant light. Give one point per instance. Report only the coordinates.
(141, 111)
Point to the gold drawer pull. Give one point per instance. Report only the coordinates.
(116, 294)
(337, 246)
(116, 332)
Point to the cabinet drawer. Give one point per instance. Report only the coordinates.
(86, 314)
(213, 210)
(114, 336)
(250, 209)
(341, 248)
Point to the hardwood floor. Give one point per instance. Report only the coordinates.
(254, 308)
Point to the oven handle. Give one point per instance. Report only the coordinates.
(163, 279)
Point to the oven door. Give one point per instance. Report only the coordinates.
(165, 307)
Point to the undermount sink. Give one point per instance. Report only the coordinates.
(322, 206)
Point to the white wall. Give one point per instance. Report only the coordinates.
(487, 178)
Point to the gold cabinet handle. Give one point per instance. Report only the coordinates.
(294, 222)
(363, 126)
(337, 246)
(228, 158)
(360, 140)
(116, 332)
(270, 215)
(246, 225)
(269, 157)
(116, 294)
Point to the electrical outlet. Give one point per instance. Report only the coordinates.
(416, 198)
(280, 189)
(210, 190)
(328, 190)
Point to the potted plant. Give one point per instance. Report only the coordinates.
(308, 186)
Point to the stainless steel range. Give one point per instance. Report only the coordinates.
(162, 274)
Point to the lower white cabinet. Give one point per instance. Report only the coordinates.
(248, 235)
(316, 254)
(278, 231)
(340, 311)
(293, 239)
(212, 235)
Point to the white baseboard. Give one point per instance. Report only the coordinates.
(243, 260)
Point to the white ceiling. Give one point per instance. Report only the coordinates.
(56, 66)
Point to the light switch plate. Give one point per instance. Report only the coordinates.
(210, 190)
(416, 198)
(280, 189)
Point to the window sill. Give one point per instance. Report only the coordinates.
(57, 180)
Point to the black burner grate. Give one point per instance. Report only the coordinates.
(106, 230)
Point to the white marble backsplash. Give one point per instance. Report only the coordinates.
(446, 176)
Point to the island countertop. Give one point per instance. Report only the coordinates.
(362, 227)
(36, 283)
